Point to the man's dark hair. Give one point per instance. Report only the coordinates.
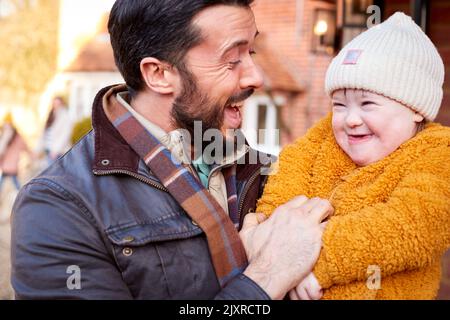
(155, 28)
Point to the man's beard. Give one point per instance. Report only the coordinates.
(193, 105)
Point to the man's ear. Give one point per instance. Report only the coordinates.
(158, 75)
(417, 117)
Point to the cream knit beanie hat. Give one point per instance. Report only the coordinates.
(395, 59)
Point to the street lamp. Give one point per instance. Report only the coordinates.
(324, 31)
(320, 29)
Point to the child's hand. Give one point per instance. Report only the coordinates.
(308, 289)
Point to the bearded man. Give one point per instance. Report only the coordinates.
(126, 214)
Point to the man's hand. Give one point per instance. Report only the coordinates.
(283, 249)
(308, 289)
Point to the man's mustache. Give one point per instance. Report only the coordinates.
(240, 97)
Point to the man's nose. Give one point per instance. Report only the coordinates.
(251, 76)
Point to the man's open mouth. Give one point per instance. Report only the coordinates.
(233, 115)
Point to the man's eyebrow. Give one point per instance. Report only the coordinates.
(237, 44)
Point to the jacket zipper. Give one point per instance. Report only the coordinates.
(134, 175)
(246, 188)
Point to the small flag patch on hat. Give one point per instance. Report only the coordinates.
(352, 56)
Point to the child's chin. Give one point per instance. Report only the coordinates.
(363, 161)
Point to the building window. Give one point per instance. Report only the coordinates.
(354, 17)
(420, 13)
(324, 31)
(262, 119)
(261, 124)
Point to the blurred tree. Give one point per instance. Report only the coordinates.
(80, 129)
(29, 35)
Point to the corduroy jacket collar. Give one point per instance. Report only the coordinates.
(111, 151)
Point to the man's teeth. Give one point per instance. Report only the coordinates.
(238, 106)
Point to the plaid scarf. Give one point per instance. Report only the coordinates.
(226, 249)
(229, 174)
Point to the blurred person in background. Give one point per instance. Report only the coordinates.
(58, 130)
(11, 147)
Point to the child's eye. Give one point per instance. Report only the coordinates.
(367, 103)
(338, 105)
(252, 52)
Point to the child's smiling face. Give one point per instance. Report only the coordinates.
(369, 126)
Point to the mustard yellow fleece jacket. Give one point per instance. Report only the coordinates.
(393, 214)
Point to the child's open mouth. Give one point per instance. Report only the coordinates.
(358, 138)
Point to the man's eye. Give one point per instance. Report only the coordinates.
(252, 52)
(234, 63)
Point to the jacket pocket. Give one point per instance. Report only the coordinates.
(166, 258)
(169, 227)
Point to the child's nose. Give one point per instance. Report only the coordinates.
(353, 119)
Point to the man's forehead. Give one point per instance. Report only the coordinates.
(229, 23)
